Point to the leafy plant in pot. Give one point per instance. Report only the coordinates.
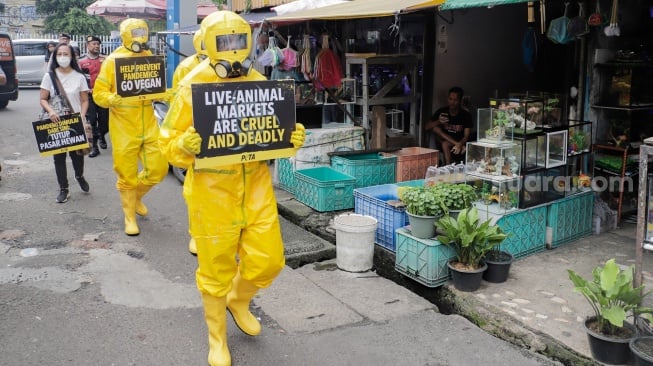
(456, 196)
(471, 240)
(423, 207)
(613, 298)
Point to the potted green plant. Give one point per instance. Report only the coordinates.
(423, 207)
(613, 298)
(470, 239)
(498, 265)
(456, 196)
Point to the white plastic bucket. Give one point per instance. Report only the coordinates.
(354, 242)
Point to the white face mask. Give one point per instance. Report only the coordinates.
(63, 61)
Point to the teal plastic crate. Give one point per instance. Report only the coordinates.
(527, 231)
(286, 174)
(423, 260)
(324, 189)
(570, 218)
(370, 169)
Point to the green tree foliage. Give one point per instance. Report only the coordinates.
(70, 16)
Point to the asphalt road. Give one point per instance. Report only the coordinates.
(74, 290)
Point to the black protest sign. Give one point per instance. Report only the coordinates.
(243, 121)
(57, 137)
(142, 78)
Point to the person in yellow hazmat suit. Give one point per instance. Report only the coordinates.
(232, 208)
(133, 129)
(182, 69)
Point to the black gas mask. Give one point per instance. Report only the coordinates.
(225, 70)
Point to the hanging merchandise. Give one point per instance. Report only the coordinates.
(305, 65)
(272, 55)
(577, 26)
(327, 72)
(289, 57)
(558, 29)
(612, 30)
(529, 42)
(596, 19)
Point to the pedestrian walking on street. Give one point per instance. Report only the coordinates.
(97, 116)
(232, 209)
(133, 129)
(65, 78)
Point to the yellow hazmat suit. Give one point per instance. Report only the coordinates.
(133, 128)
(232, 208)
(181, 71)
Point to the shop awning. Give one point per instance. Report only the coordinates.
(461, 4)
(356, 9)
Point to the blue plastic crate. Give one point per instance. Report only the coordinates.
(527, 231)
(324, 189)
(373, 201)
(571, 218)
(423, 260)
(371, 169)
(286, 173)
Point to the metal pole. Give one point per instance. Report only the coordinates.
(642, 201)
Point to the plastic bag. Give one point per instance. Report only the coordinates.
(558, 29)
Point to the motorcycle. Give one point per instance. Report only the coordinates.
(160, 111)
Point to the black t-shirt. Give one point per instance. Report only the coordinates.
(456, 125)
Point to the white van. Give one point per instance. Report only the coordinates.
(30, 60)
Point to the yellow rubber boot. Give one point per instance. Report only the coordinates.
(128, 201)
(192, 247)
(215, 315)
(141, 190)
(238, 300)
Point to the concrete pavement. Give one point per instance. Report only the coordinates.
(536, 309)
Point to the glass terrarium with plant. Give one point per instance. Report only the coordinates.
(493, 125)
(526, 114)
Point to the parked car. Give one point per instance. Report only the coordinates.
(8, 91)
(30, 60)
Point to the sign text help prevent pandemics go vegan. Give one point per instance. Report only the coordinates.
(244, 121)
(141, 78)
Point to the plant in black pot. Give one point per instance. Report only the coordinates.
(423, 207)
(498, 265)
(471, 240)
(613, 298)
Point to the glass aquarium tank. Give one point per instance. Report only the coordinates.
(556, 148)
(534, 152)
(497, 162)
(579, 137)
(526, 116)
(492, 125)
(579, 174)
(496, 198)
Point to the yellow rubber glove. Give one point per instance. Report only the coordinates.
(298, 136)
(190, 141)
(115, 100)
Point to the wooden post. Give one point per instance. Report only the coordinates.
(378, 128)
